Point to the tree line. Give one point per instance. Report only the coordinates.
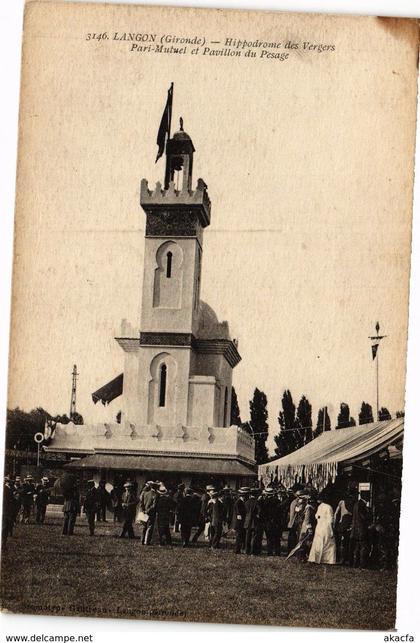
(21, 426)
(296, 426)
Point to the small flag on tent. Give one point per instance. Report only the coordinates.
(374, 350)
(165, 124)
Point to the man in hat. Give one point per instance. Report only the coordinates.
(215, 516)
(18, 500)
(103, 500)
(187, 515)
(42, 499)
(27, 496)
(204, 500)
(250, 522)
(268, 522)
(11, 520)
(178, 496)
(165, 505)
(129, 504)
(71, 508)
(343, 517)
(116, 495)
(238, 520)
(90, 505)
(148, 499)
(228, 503)
(359, 535)
(8, 511)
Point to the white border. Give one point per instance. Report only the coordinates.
(408, 619)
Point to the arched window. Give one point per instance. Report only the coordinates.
(162, 385)
(168, 264)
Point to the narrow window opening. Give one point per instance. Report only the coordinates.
(169, 264)
(162, 385)
(225, 407)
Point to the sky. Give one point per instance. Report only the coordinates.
(307, 163)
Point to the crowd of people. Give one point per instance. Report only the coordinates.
(299, 521)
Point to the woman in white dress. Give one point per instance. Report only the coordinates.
(323, 548)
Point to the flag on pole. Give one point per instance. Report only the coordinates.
(165, 124)
(374, 350)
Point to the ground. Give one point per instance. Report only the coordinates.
(44, 572)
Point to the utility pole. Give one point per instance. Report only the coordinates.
(375, 356)
(73, 391)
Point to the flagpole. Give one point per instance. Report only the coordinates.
(170, 110)
(377, 386)
(375, 354)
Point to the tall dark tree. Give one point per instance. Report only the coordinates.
(76, 418)
(22, 426)
(235, 414)
(323, 422)
(287, 439)
(384, 414)
(304, 421)
(259, 415)
(62, 419)
(344, 418)
(365, 414)
(118, 417)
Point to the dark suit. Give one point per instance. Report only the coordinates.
(216, 517)
(90, 507)
(250, 524)
(27, 496)
(187, 516)
(8, 513)
(202, 516)
(102, 502)
(71, 508)
(238, 524)
(359, 533)
(42, 500)
(268, 522)
(116, 495)
(148, 499)
(129, 504)
(165, 505)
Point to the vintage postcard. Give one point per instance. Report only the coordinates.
(209, 315)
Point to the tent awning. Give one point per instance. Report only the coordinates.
(109, 391)
(320, 457)
(158, 463)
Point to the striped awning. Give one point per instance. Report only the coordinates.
(319, 458)
(109, 391)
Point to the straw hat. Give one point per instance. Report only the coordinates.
(268, 491)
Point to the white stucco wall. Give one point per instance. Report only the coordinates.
(175, 314)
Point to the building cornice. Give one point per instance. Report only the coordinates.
(225, 347)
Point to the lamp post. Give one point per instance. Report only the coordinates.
(38, 438)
